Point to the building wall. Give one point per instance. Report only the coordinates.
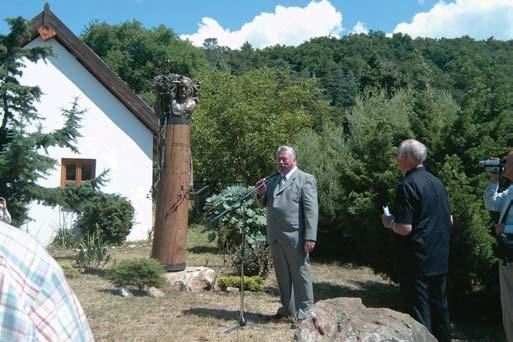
(111, 135)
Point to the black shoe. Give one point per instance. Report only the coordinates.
(276, 317)
(296, 324)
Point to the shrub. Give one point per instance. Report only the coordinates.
(92, 252)
(138, 273)
(254, 283)
(226, 231)
(257, 260)
(111, 215)
(65, 238)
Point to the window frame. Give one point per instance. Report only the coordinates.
(79, 163)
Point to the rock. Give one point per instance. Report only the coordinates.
(124, 292)
(154, 292)
(232, 289)
(347, 319)
(194, 279)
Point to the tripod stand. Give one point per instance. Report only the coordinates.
(242, 320)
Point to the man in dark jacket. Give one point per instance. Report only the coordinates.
(423, 221)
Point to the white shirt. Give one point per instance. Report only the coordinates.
(290, 173)
(499, 201)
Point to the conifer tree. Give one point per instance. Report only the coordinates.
(23, 143)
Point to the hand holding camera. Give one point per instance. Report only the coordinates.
(492, 165)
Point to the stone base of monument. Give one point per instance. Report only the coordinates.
(193, 279)
(347, 319)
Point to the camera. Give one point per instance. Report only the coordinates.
(492, 165)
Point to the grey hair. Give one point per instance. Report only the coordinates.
(287, 149)
(415, 150)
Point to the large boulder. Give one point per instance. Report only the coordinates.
(194, 279)
(347, 319)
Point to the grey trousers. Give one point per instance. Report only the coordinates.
(506, 284)
(292, 267)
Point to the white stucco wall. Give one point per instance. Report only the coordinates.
(111, 135)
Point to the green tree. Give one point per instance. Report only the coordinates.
(137, 54)
(22, 140)
(243, 119)
(215, 54)
(369, 174)
(322, 154)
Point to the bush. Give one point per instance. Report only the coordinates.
(254, 283)
(257, 260)
(227, 230)
(138, 273)
(92, 252)
(111, 216)
(65, 238)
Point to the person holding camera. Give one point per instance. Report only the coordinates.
(423, 222)
(4, 213)
(502, 202)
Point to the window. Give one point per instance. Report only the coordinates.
(77, 171)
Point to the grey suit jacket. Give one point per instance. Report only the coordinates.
(292, 210)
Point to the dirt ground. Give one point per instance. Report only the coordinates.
(187, 316)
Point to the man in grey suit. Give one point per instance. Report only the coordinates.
(292, 213)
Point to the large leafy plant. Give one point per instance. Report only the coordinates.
(239, 217)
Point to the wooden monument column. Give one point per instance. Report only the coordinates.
(177, 97)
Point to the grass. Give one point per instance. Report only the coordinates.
(186, 316)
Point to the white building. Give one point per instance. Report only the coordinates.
(117, 127)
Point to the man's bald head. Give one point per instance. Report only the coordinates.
(415, 150)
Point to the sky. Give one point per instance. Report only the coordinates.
(265, 23)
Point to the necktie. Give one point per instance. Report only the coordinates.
(283, 179)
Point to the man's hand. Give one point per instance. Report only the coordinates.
(499, 228)
(261, 187)
(387, 221)
(309, 246)
(3, 203)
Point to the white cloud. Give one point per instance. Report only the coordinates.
(286, 26)
(479, 19)
(360, 28)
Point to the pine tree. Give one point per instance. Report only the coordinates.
(22, 141)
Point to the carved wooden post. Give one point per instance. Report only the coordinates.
(176, 99)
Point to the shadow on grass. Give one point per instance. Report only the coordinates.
(226, 315)
(133, 291)
(100, 272)
(477, 318)
(203, 249)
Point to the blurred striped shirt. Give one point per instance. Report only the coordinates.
(36, 303)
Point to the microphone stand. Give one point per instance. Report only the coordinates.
(242, 320)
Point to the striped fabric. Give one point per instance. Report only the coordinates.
(36, 303)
